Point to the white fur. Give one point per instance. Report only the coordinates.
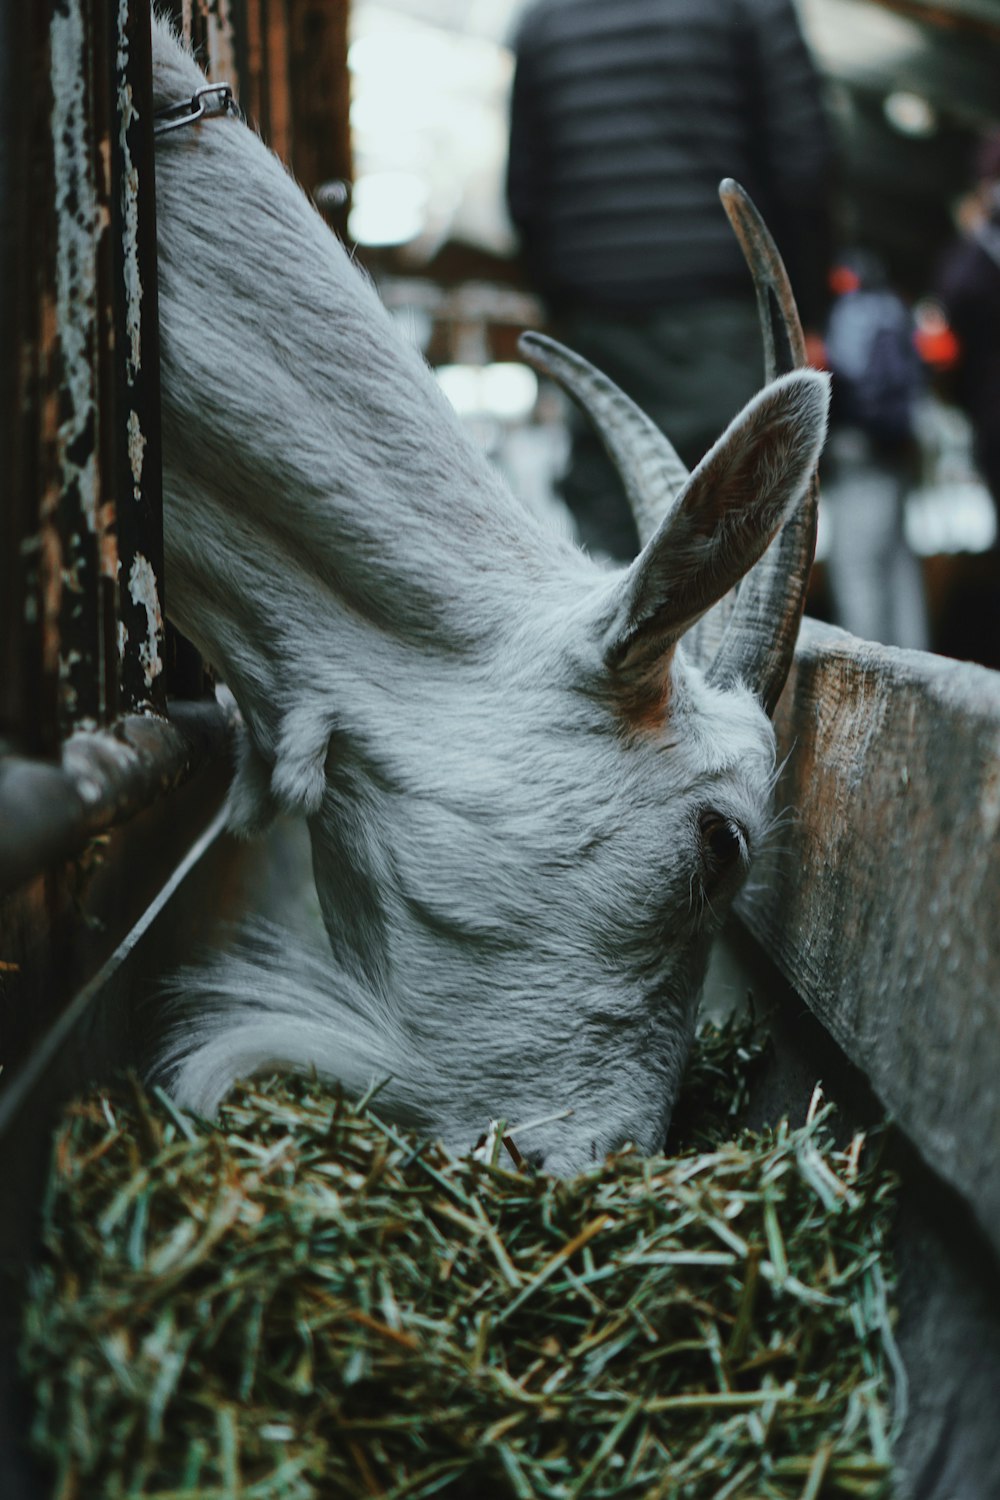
(504, 760)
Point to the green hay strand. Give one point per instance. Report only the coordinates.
(303, 1301)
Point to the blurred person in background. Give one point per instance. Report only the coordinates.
(624, 119)
(872, 458)
(969, 288)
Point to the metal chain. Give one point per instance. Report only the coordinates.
(213, 99)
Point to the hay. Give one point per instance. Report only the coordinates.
(306, 1301)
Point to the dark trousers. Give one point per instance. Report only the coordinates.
(690, 366)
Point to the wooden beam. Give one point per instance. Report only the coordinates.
(880, 897)
(320, 92)
(135, 408)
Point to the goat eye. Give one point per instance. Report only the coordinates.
(723, 842)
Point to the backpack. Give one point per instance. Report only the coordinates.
(876, 370)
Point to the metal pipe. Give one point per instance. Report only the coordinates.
(48, 813)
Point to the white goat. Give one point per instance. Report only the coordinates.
(528, 811)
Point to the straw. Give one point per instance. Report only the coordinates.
(304, 1301)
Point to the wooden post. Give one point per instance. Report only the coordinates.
(320, 96)
(29, 655)
(880, 897)
(81, 429)
(137, 454)
(73, 374)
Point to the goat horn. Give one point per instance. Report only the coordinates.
(758, 642)
(647, 464)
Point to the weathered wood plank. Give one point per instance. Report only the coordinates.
(136, 443)
(74, 307)
(81, 428)
(880, 898)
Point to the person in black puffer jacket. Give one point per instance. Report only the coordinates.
(624, 119)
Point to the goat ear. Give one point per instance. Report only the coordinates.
(732, 506)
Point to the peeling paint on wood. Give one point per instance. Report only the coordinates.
(129, 188)
(221, 42)
(77, 227)
(72, 365)
(88, 477)
(138, 462)
(90, 602)
(144, 593)
(136, 452)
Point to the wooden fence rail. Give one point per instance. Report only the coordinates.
(880, 901)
